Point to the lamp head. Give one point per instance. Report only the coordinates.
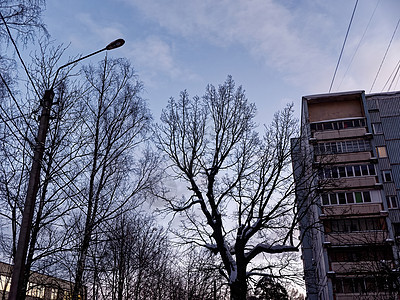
(115, 44)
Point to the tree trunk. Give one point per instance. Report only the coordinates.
(238, 290)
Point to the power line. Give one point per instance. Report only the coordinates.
(344, 43)
(394, 76)
(384, 57)
(359, 43)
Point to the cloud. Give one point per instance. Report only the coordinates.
(97, 30)
(301, 40)
(157, 57)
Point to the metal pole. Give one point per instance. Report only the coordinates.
(17, 290)
(17, 280)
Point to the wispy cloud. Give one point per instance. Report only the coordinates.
(301, 42)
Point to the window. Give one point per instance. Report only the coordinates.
(350, 198)
(354, 225)
(5, 282)
(358, 197)
(325, 199)
(371, 169)
(381, 151)
(367, 197)
(67, 295)
(342, 147)
(347, 171)
(346, 198)
(53, 294)
(35, 290)
(396, 229)
(342, 198)
(387, 176)
(357, 170)
(391, 201)
(337, 125)
(364, 170)
(377, 128)
(333, 199)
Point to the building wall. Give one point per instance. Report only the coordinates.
(352, 142)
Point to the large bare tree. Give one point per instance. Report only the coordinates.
(239, 201)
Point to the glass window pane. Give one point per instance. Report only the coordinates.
(362, 146)
(342, 171)
(325, 199)
(348, 124)
(367, 197)
(332, 198)
(349, 146)
(357, 171)
(335, 173)
(342, 198)
(381, 151)
(328, 126)
(364, 170)
(387, 176)
(350, 198)
(377, 128)
(371, 169)
(333, 148)
(328, 173)
(358, 197)
(349, 170)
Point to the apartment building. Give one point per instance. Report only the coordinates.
(347, 172)
(39, 286)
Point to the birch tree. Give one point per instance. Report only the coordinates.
(115, 170)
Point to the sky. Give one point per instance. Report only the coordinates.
(278, 51)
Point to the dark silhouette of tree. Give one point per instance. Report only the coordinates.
(115, 171)
(267, 288)
(240, 193)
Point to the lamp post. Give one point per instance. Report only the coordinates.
(17, 289)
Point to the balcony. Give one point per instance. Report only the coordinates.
(356, 238)
(351, 182)
(369, 296)
(340, 134)
(353, 209)
(361, 266)
(343, 157)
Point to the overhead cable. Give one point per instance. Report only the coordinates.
(384, 57)
(359, 43)
(344, 43)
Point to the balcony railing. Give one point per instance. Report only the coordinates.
(355, 209)
(361, 266)
(340, 134)
(356, 238)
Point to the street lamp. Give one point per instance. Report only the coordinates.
(17, 280)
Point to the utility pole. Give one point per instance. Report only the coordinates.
(17, 289)
(17, 280)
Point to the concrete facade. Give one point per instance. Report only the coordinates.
(347, 171)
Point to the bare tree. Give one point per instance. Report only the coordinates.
(240, 200)
(53, 204)
(115, 170)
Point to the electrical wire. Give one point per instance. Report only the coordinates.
(344, 43)
(384, 56)
(394, 77)
(394, 73)
(359, 43)
(19, 55)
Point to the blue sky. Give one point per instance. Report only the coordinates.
(277, 50)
